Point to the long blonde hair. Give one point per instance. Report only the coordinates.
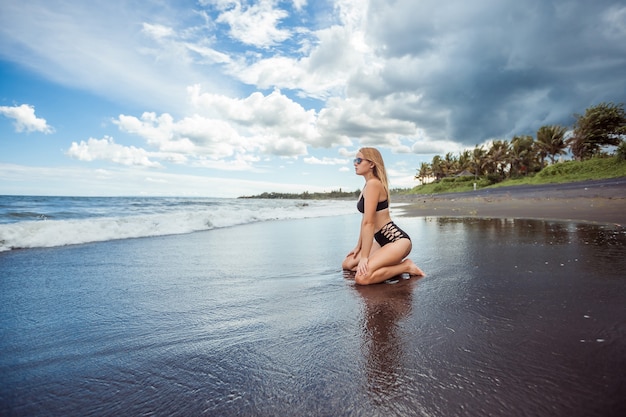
(373, 155)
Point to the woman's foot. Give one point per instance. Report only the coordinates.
(413, 269)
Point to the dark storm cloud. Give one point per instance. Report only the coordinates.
(498, 68)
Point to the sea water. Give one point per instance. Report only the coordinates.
(42, 221)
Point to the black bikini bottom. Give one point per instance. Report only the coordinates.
(390, 233)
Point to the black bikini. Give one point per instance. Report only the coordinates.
(380, 206)
(389, 232)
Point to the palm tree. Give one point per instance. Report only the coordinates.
(437, 167)
(478, 161)
(582, 148)
(465, 160)
(523, 155)
(602, 125)
(550, 140)
(450, 165)
(498, 157)
(424, 172)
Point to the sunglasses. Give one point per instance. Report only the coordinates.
(359, 160)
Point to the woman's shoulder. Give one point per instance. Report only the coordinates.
(374, 181)
(373, 185)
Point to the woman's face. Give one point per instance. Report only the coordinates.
(364, 166)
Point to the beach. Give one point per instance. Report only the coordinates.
(516, 316)
(601, 201)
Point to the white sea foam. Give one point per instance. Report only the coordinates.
(50, 233)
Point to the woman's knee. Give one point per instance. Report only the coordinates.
(349, 263)
(363, 279)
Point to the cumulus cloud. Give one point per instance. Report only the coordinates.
(320, 73)
(283, 78)
(106, 149)
(325, 161)
(254, 24)
(224, 127)
(25, 119)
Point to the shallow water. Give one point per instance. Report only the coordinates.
(514, 318)
(48, 221)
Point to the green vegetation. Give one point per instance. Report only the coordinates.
(596, 143)
(562, 172)
(336, 195)
(339, 194)
(602, 125)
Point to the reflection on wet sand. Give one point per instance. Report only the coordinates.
(580, 239)
(384, 306)
(516, 317)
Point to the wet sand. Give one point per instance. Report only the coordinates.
(515, 318)
(590, 201)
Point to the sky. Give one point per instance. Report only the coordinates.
(224, 98)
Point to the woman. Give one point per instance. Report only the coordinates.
(382, 245)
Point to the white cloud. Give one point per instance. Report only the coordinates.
(273, 123)
(227, 128)
(224, 127)
(25, 119)
(238, 163)
(324, 70)
(157, 31)
(367, 120)
(429, 147)
(325, 161)
(299, 4)
(106, 149)
(157, 180)
(255, 24)
(131, 181)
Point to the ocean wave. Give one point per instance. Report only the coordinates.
(51, 233)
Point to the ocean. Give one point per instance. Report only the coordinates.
(41, 221)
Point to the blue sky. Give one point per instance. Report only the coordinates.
(229, 97)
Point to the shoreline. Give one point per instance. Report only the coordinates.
(588, 202)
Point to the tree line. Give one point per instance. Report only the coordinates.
(601, 126)
(335, 194)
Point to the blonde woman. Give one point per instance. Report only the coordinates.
(382, 247)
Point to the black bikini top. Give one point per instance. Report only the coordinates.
(380, 206)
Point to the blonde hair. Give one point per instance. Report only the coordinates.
(373, 155)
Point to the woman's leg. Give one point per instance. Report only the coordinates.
(351, 262)
(388, 262)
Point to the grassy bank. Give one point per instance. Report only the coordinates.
(562, 172)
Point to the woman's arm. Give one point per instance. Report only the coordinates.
(357, 248)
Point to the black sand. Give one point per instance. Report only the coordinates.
(601, 201)
(515, 318)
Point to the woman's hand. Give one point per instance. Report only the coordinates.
(354, 252)
(361, 268)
